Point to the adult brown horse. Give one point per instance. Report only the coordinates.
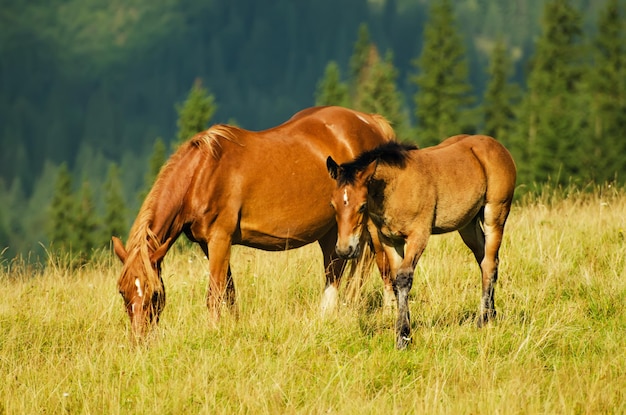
(466, 183)
(225, 186)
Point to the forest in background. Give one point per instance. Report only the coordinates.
(87, 85)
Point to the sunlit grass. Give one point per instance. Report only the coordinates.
(557, 345)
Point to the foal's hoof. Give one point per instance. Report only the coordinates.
(403, 342)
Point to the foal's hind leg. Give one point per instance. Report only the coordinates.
(485, 241)
(474, 237)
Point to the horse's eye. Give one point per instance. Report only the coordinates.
(363, 208)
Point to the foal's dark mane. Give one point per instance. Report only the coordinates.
(392, 154)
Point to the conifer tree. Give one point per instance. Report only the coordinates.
(195, 113)
(157, 159)
(114, 206)
(360, 57)
(553, 113)
(63, 213)
(443, 92)
(330, 90)
(607, 86)
(377, 91)
(500, 96)
(86, 224)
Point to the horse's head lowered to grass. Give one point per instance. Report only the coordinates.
(140, 283)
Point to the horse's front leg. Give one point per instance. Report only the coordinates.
(402, 286)
(221, 286)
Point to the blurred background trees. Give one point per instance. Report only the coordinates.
(91, 84)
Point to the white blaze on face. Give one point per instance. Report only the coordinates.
(138, 285)
(345, 197)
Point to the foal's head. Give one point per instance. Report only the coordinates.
(349, 199)
(140, 284)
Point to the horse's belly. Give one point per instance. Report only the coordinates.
(278, 235)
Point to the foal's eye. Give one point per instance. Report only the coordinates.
(363, 208)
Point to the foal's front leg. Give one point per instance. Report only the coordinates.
(402, 285)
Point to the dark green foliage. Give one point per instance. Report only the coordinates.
(157, 159)
(500, 96)
(607, 86)
(86, 225)
(361, 57)
(553, 118)
(443, 90)
(330, 89)
(91, 97)
(63, 212)
(377, 91)
(114, 223)
(195, 113)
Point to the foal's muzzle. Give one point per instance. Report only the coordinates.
(349, 251)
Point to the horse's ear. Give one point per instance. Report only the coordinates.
(366, 174)
(158, 255)
(333, 168)
(119, 249)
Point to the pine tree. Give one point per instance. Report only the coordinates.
(552, 141)
(443, 96)
(330, 90)
(500, 96)
(62, 223)
(114, 208)
(195, 113)
(87, 224)
(157, 159)
(608, 91)
(377, 91)
(360, 57)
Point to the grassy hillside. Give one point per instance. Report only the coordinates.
(557, 347)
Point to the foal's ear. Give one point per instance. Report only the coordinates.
(333, 168)
(119, 249)
(366, 174)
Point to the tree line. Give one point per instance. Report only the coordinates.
(562, 120)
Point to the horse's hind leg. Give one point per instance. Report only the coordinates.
(473, 236)
(333, 267)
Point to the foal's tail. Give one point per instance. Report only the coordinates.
(384, 127)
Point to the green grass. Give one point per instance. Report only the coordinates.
(557, 346)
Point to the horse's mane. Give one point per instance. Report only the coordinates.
(142, 240)
(392, 153)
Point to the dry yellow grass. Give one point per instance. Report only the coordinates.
(556, 347)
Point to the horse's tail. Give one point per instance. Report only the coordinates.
(384, 127)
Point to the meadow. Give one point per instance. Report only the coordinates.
(557, 345)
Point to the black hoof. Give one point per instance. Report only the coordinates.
(403, 342)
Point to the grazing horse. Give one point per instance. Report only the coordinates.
(466, 184)
(268, 190)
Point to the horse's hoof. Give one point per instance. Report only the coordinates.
(485, 318)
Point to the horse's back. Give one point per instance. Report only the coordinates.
(282, 171)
